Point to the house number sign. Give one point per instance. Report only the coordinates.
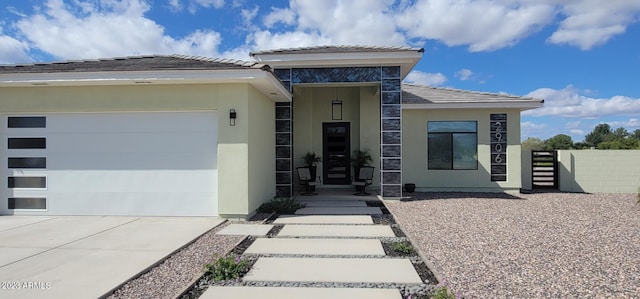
(498, 147)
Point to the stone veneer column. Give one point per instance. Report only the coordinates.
(391, 132)
(284, 140)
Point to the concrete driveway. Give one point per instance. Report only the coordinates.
(85, 256)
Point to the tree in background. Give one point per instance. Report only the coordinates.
(533, 144)
(559, 142)
(602, 137)
(601, 133)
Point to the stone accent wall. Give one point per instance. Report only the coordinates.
(390, 167)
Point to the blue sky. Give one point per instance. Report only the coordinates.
(581, 56)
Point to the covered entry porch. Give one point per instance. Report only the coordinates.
(332, 121)
(367, 81)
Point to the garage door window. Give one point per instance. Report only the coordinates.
(26, 122)
(27, 203)
(27, 143)
(39, 162)
(27, 182)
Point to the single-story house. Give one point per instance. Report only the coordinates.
(181, 135)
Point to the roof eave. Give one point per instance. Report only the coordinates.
(262, 79)
(407, 59)
(522, 106)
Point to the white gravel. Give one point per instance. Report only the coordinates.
(544, 245)
(174, 274)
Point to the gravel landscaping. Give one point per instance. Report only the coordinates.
(169, 278)
(542, 245)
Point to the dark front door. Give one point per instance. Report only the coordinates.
(336, 167)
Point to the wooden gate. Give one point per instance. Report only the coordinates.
(544, 170)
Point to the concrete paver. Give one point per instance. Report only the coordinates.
(246, 229)
(86, 256)
(333, 270)
(324, 219)
(306, 293)
(316, 246)
(334, 203)
(339, 211)
(313, 230)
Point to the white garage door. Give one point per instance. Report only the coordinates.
(110, 164)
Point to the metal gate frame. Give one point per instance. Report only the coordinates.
(544, 169)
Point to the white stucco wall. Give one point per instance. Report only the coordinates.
(612, 171)
(414, 152)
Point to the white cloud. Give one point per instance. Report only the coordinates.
(432, 79)
(464, 74)
(211, 3)
(262, 40)
(192, 5)
(629, 124)
(483, 25)
(531, 129)
(13, 50)
(576, 132)
(175, 5)
(349, 22)
(248, 15)
(108, 29)
(569, 102)
(573, 124)
(532, 126)
(591, 23)
(279, 15)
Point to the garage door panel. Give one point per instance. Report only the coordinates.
(140, 161)
(136, 181)
(186, 142)
(132, 122)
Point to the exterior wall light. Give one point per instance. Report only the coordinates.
(336, 109)
(232, 117)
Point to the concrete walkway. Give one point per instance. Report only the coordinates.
(326, 244)
(86, 256)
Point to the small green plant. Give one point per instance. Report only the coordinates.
(311, 159)
(441, 291)
(361, 158)
(403, 247)
(227, 268)
(281, 205)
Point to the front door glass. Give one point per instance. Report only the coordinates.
(336, 148)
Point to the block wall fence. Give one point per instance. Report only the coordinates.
(592, 171)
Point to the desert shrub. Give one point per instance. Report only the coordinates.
(404, 247)
(227, 268)
(280, 205)
(442, 292)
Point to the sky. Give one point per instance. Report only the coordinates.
(581, 56)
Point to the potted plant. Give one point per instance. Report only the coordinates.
(359, 159)
(311, 160)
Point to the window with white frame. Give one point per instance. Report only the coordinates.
(452, 145)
